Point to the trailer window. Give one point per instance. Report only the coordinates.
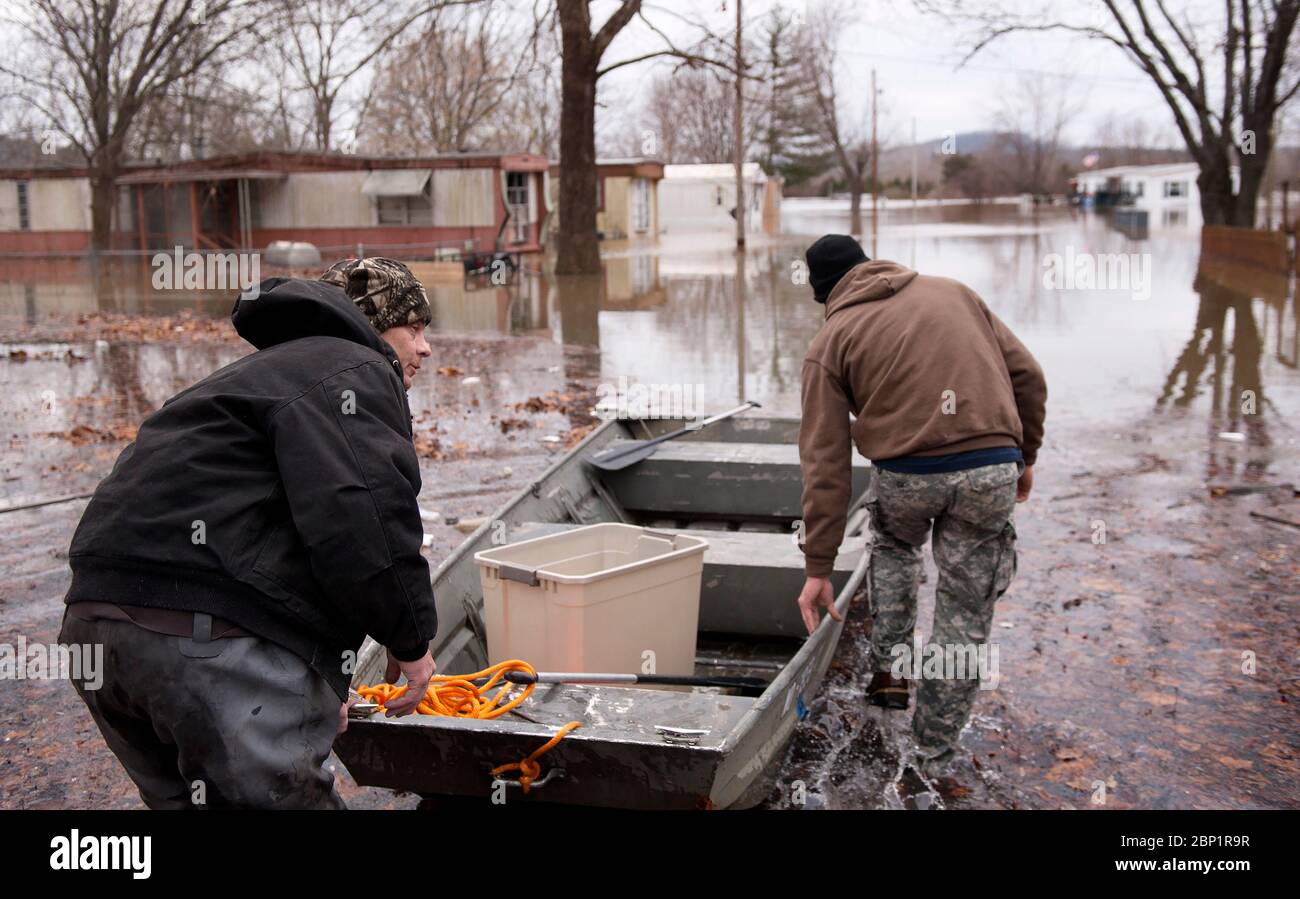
(24, 208)
(416, 210)
(516, 188)
(641, 204)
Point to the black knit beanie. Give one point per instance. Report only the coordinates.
(829, 259)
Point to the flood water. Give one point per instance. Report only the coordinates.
(1150, 400)
(670, 312)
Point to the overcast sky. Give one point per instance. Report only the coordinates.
(915, 56)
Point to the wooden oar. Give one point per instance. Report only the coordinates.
(748, 686)
(636, 450)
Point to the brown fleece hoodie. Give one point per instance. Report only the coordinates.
(927, 369)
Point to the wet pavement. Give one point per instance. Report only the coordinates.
(1155, 669)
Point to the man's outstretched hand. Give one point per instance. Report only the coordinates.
(817, 592)
(417, 679)
(1025, 484)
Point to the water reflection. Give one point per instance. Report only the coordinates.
(691, 310)
(1224, 359)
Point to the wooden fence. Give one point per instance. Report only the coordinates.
(1257, 261)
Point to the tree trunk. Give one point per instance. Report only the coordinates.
(1254, 166)
(1218, 205)
(103, 196)
(1245, 203)
(855, 208)
(578, 245)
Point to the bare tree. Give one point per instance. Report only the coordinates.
(203, 114)
(1034, 116)
(686, 110)
(582, 52)
(330, 43)
(1135, 140)
(1224, 88)
(844, 134)
(530, 112)
(287, 127)
(964, 173)
(447, 89)
(90, 67)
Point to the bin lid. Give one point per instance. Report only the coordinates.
(528, 561)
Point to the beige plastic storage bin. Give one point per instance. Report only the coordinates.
(595, 598)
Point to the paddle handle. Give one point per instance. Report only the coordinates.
(748, 404)
(588, 677)
(621, 457)
(695, 426)
(568, 677)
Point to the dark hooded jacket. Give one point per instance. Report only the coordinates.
(278, 492)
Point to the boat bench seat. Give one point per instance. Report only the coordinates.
(700, 478)
(751, 580)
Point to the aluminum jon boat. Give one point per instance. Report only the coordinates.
(736, 483)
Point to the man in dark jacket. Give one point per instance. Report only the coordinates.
(949, 407)
(261, 525)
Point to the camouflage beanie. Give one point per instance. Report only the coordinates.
(383, 289)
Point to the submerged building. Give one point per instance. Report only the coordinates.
(703, 198)
(627, 197)
(398, 206)
(1168, 193)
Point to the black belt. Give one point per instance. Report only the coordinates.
(199, 626)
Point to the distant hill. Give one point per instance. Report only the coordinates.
(896, 161)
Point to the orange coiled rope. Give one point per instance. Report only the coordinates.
(457, 696)
(528, 768)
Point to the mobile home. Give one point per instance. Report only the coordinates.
(400, 206)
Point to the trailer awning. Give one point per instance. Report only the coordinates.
(396, 182)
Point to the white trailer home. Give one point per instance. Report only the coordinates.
(1167, 192)
(702, 198)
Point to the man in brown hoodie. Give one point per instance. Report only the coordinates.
(949, 408)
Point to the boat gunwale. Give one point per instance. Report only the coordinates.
(813, 655)
(469, 545)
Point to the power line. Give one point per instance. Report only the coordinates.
(980, 67)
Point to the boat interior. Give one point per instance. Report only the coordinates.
(738, 485)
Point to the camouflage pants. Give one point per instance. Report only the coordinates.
(969, 513)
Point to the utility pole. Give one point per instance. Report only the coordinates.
(875, 156)
(739, 136)
(913, 167)
(913, 192)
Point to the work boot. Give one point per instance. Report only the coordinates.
(917, 791)
(914, 792)
(887, 691)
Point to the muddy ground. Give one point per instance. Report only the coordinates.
(1123, 663)
(76, 391)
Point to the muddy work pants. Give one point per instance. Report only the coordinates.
(968, 515)
(238, 722)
